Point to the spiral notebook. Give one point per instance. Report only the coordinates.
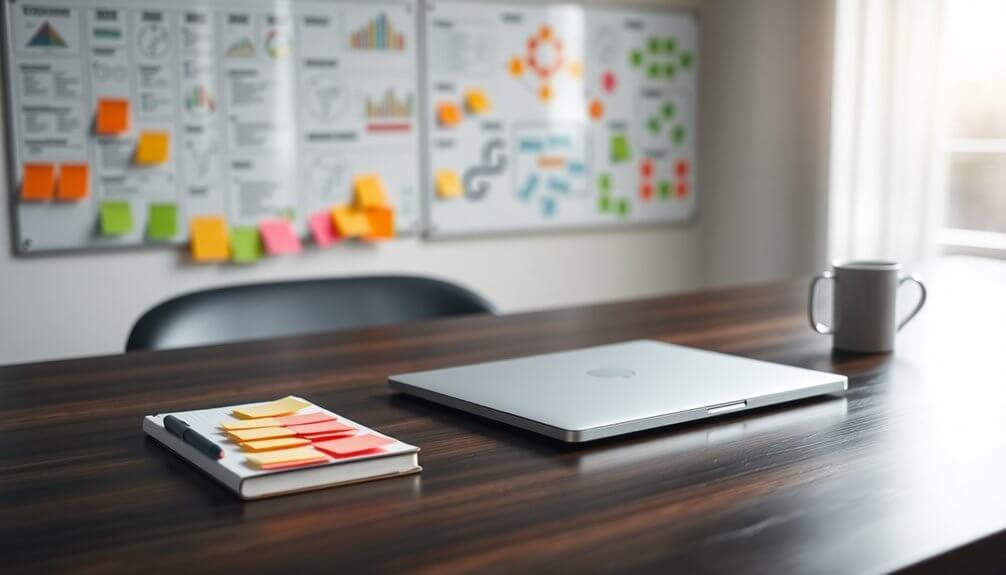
(284, 446)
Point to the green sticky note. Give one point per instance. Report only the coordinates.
(246, 245)
(604, 203)
(636, 58)
(653, 125)
(678, 134)
(654, 45)
(620, 151)
(686, 60)
(623, 207)
(654, 70)
(668, 109)
(116, 218)
(162, 221)
(665, 189)
(670, 71)
(604, 182)
(670, 45)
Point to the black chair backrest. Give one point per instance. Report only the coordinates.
(298, 307)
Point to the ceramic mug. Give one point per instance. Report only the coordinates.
(864, 305)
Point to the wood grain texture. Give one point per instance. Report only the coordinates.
(907, 469)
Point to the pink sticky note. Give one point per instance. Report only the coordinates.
(278, 237)
(320, 428)
(323, 228)
(304, 419)
(352, 445)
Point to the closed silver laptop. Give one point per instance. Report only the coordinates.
(609, 390)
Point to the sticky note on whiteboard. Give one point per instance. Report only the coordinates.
(448, 114)
(209, 239)
(448, 184)
(112, 118)
(74, 182)
(246, 245)
(279, 237)
(323, 229)
(116, 218)
(477, 101)
(368, 192)
(153, 148)
(350, 223)
(162, 221)
(38, 182)
(382, 223)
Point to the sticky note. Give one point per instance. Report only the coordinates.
(620, 151)
(448, 114)
(352, 445)
(209, 239)
(328, 436)
(350, 223)
(162, 221)
(323, 229)
(322, 427)
(271, 444)
(279, 237)
(112, 117)
(251, 424)
(74, 182)
(288, 404)
(116, 218)
(382, 223)
(38, 182)
(304, 419)
(281, 456)
(477, 101)
(294, 464)
(368, 192)
(244, 435)
(448, 184)
(153, 148)
(246, 245)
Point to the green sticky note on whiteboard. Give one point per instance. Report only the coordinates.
(246, 245)
(620, 151)
(116, 218)
(162, 221)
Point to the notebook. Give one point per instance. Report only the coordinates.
(285, 446)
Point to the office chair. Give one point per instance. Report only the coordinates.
(298, 307)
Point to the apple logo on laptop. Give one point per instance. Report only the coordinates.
(611, 373)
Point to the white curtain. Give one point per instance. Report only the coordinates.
(888, 165)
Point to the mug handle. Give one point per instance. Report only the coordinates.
(818, 326)
(922, 299)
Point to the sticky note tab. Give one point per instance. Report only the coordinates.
(351, 445)
(38, 182)
(272, 444)
(448, 184)
(282, 456)
(246, 245)
(279, 237)
(295, 464)
(350, 223)
(162, 221)
(250, 424)
(288, 404)
(327, 436)
(323, 229)
(477, 101)
(153, 148)
(382, 223)
(305, 419)
(244, 435)
(620, 151)
(368, 192)
(209, 239)
(112, 117)
(448, 114)
(318, 428)
(116, 218)
(74, 182)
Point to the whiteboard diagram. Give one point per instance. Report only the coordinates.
(558, 115)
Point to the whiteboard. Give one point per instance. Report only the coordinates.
(271, 107)
(591, 117)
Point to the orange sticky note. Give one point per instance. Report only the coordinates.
(305, 419)
(251, 424)
(324, 427)
(271, 444)
(209, 239)
(382, 223)
(448, 114)
(352, 445)
(245, 435)
(288, 404)
(153, 148)
(74, 182)
(350, 223)
(38, 182)
(112, 117)
(284, 456)
(368, 192)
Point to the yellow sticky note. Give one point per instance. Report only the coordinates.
(448, 184)
(350, 223)
(272, 444)
(153, 148)
(368, 192)
(477, 101)
(279, 456)
(244, 435)
(209, 239)
(288, 404)
(251, 424)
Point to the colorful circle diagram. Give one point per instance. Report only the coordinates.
(545, 57)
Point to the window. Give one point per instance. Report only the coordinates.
(976, 146)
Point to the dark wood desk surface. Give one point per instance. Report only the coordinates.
(908, 466)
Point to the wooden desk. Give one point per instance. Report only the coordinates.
(908, 466)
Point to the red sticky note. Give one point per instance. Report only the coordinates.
(327, 436)
(352, 444)
(292, 464)
(316, 428)
(278, 237)
(323, 229)
(304, 419)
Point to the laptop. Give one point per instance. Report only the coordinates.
(610, 390)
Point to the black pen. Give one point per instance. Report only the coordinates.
(184, 431)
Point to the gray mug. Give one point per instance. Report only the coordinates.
(864, 305)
